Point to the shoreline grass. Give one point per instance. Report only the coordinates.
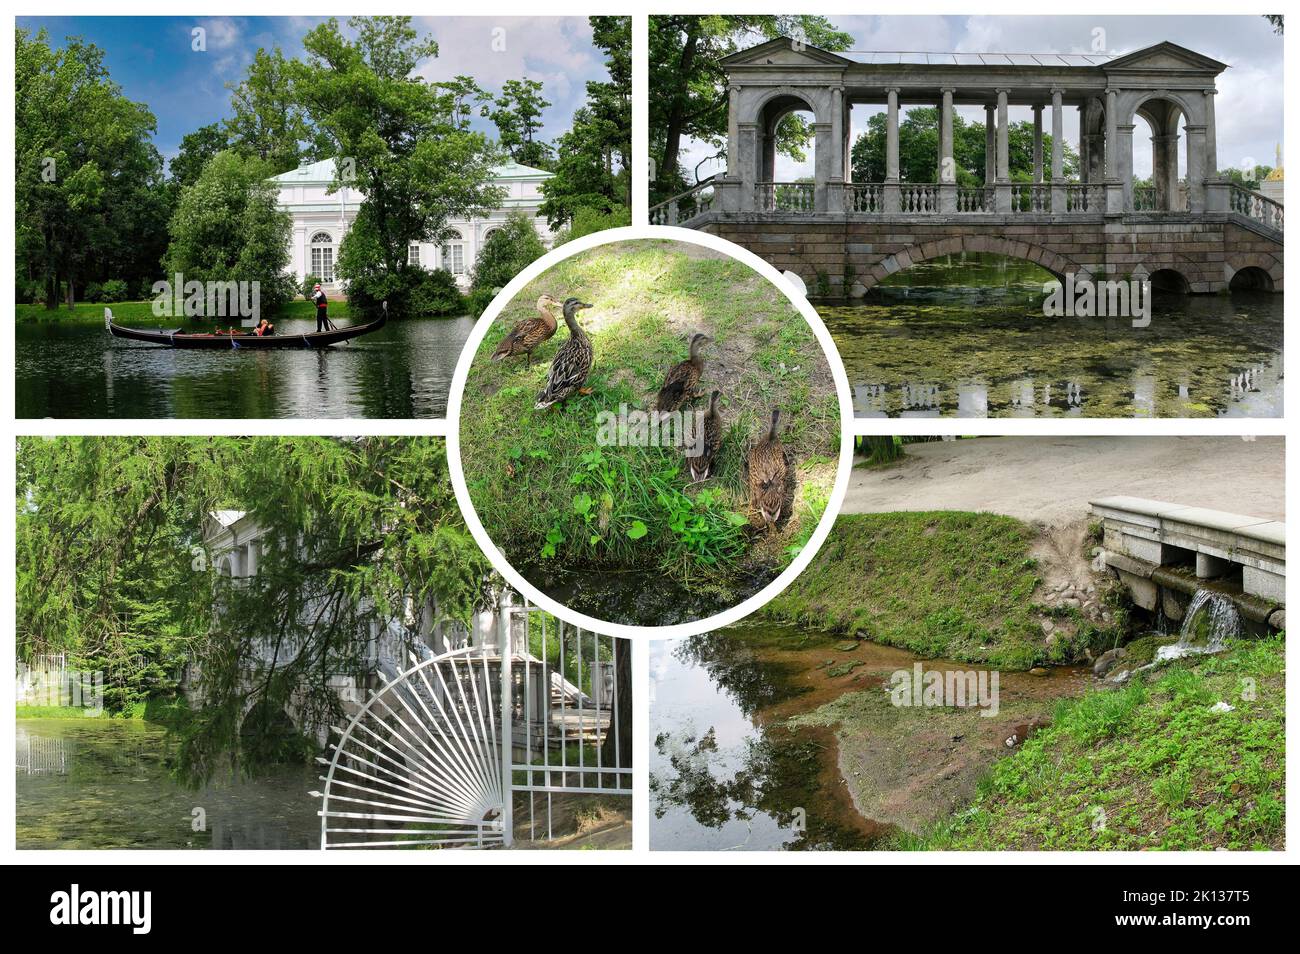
(943, 584)
(1155, 765)
(141, 313)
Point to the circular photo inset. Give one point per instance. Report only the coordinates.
(649, 431)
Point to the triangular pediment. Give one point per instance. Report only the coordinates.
(784, 51)
(1166, 56)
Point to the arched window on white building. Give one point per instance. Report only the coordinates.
(453, 254)
(490, 232)
(322, 257)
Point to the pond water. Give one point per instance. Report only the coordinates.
(104, 783)
(75, 369)
(729, 772)
(966, 336)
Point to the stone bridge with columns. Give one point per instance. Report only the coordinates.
(1198, 233)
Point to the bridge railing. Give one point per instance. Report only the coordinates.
(694, 201)
(785, 196)
(920, 198)
(1083, 197)
(1031, 197)
(977, 199)
(1255, 206)
(1144, 199)
(864, 197)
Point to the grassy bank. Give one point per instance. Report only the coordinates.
(1149, 766)
(141, 312)
(943, 584)
(546, 487)
(173, 712)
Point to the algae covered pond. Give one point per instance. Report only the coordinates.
(105, 783)
(968, 338)
(772, 737)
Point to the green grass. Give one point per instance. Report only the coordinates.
(943, 584)
(1149, 766)
(129, 312)
(59, 712)
(544, 487)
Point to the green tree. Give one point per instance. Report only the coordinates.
(269, 122)
(113, 566)
(593, 172)
(86, 174)
(690, 94)
(918, 149)
(397, 139)
(195, 151)
(517, 113)
(229, 227)
(507, 252)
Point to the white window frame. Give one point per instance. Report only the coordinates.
(413, 254)
(321, 257)
(453, 254)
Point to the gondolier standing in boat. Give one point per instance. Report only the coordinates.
(322, 317)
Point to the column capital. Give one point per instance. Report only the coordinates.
(1003, 91)
(1057, 91)
(1038, 107)
(893, 89)
(949, 90)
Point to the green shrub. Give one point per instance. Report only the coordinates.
(114, 290)
(506, 253)
(93, 291)
(413, 293)
(586, 221)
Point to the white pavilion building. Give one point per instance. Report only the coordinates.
(321, 219)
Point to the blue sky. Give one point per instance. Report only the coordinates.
(1248, 108)
(152, 60)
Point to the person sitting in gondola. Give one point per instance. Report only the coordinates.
(322, 317)
(264, 329)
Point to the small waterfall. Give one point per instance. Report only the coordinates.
(1210, 621)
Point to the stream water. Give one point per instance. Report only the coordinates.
(728, 771)
(105, 783)
(75, 369)
(966, 336)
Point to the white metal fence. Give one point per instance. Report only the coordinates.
(474, 746)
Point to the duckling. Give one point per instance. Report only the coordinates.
(529, 333)
(572, 363)
(702, 464)
(680, 381)
(767, 475)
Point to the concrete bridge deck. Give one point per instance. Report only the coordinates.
(1143, 537)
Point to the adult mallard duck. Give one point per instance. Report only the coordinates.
(702, 463)
(529, 333)
(572, 363)
(767, 474)
(680, 381)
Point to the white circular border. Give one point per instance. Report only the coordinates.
(461, 376)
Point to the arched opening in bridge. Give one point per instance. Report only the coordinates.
(268, 736)
(1158, 163)
(1169, 282)
(1251, 278)
(968, 280)
(787, 156)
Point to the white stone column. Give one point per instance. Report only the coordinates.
(1004, 154)
(947, 165)
(990, 146)
(891, 197)
(823, 162)
(891, 135)
(750, 160)
(1058, 152)
(1211, 138)
(1038, 143)
(1124, 161)
(1003, 197)
(1196, 153)
(1116, 200)
(733, 132)
(834, 187)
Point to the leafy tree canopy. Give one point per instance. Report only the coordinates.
(688, 86)
(112, 566)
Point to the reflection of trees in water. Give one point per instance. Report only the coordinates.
(775, 773)
(776, 776)
(729, 658)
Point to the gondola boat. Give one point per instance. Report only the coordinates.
(189, 339)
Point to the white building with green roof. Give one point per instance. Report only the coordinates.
(322, 218)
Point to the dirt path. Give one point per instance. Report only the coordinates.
(1049, 480)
